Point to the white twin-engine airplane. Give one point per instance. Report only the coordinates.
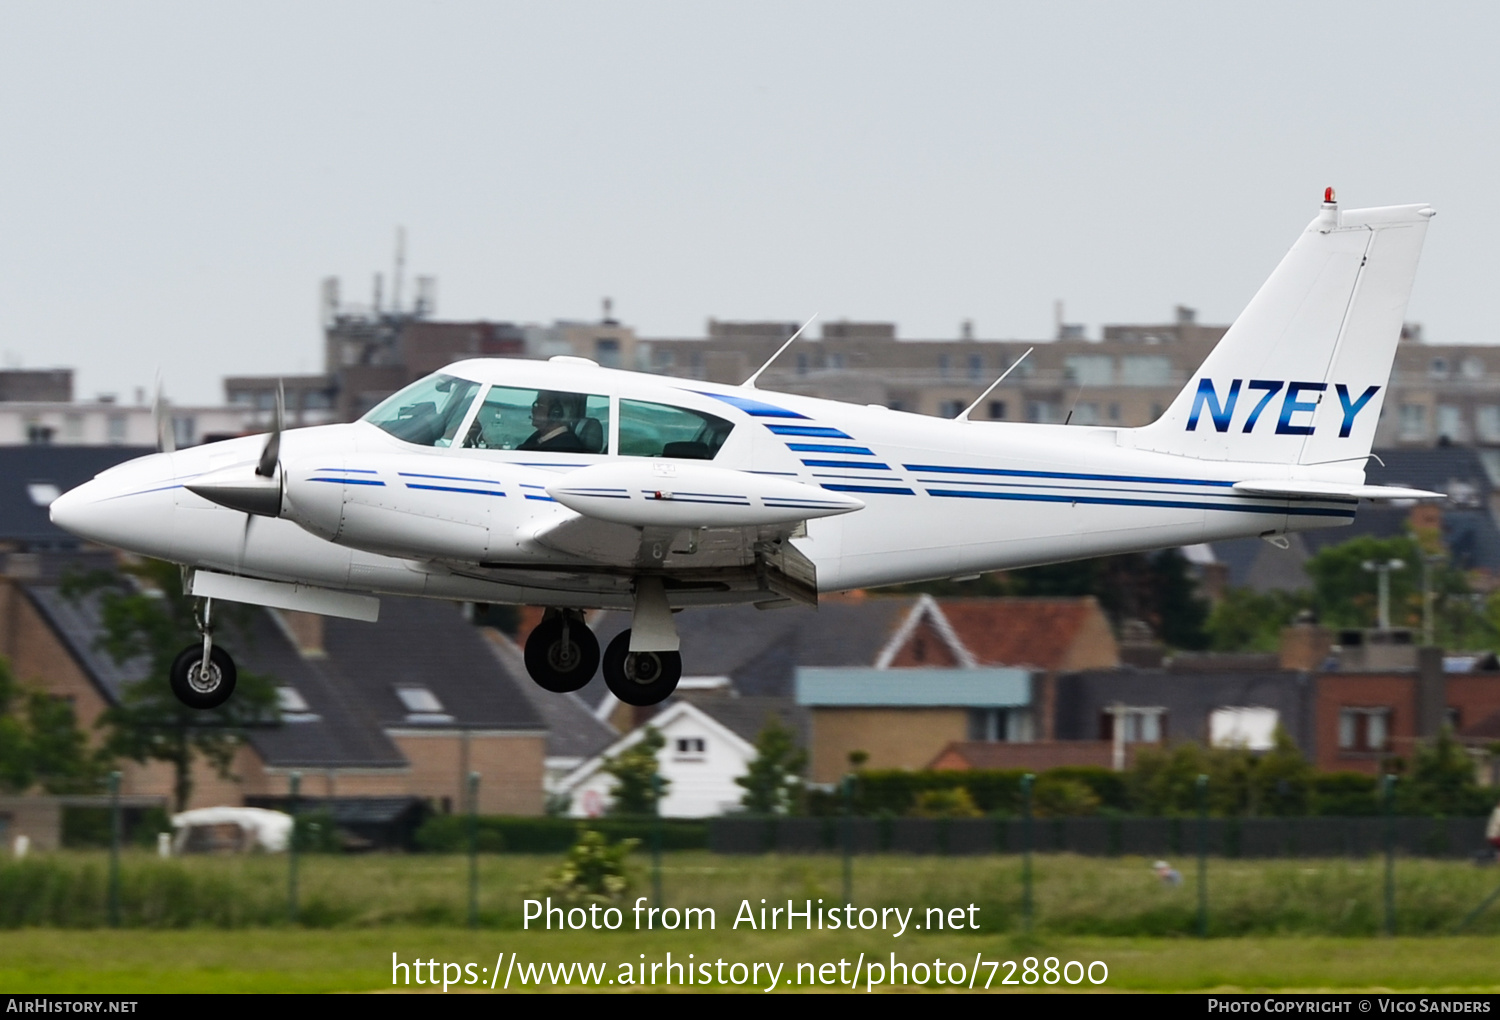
(570, 486)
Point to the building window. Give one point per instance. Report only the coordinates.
(1413, 421)
(802, 364)
(42, 493)
(184, 431)
(1090, 369)
(607, 352)
(976, 367)
(115, 429)
(691, 748)
(1364, 729)
(1450, 423)
(1137, 725)
(1439, 368)
(1487, 423)
(943, 365)
(1085, 414)
(1251, 728)
(993, 725)
(997, 409)
(950, 408)
(1145, 370)
(1472, 368)
(38, 434)
(1043, 412)
(835, 361)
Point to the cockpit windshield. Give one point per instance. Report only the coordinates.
(428, 412)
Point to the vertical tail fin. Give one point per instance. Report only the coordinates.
(1301, 375)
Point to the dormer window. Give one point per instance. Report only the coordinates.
(422, 706)
(294, 707)
(691, 748)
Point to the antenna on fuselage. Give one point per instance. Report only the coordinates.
(750, 382)
(964, 414)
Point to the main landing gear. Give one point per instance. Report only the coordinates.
(641, 665)
(203, 675)
(562, 653)
(640, 678)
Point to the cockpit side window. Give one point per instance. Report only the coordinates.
(552, 421)
(428, 412)
(660, 430)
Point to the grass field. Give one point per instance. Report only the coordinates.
(1074, 896)
(220, 923)
(265, 960)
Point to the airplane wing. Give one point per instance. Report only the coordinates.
(701, 528)
(1297, 489)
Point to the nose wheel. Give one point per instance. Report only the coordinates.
(203, 675)
(640, 678)
(562, 653)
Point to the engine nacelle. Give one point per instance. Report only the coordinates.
(689, 494)
(405, 508)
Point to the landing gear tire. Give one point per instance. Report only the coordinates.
(198, 688)
(562, 654)
(640, 678)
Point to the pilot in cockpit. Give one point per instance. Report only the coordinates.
(553, 415)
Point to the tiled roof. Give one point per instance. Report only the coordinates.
(1019, 631)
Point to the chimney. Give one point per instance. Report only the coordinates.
(1305, 646)
(1432, 693)
(306, 632)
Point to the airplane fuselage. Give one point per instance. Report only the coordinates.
(457, 518)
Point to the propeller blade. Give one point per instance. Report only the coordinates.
(268, 457)
(244, 541)
(166, 440)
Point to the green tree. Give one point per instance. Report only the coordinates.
(1278, 781)
(41, 743)
(773, 782)
(594, 871)
(1251, 621)
(1439, 779)
(638, 782)
(147, 617)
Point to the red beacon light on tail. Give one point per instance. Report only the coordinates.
(1328, 216)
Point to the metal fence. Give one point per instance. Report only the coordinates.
(1102, 837)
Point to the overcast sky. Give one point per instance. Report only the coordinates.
(176, 179)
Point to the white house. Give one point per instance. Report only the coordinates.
(702, 759)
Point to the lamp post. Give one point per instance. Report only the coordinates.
(1382, 569)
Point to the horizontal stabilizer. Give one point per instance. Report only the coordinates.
(1296, 489)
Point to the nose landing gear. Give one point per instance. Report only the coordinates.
(562, 653)
(203, 675)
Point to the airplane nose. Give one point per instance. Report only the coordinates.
(77, 511)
